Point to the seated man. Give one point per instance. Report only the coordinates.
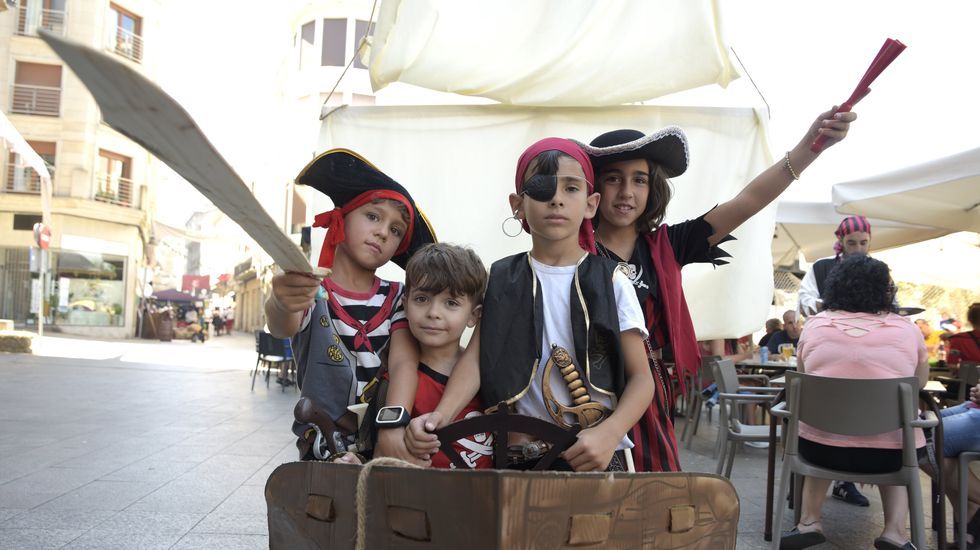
(789, 335)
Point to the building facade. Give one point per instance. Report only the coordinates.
(102, 182)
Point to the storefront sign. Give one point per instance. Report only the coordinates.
(243, 267)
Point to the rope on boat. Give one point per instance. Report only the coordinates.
(361, 495)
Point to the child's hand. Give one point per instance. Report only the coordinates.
(593, 451)
(834, 127)
(419, 439)
(391, 442)
(348, 458)
(975, 394)
(294, 292)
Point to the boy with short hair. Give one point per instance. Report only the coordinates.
(444, 287)
(542, 309)
(338, 339)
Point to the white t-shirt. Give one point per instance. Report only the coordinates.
(556, 283)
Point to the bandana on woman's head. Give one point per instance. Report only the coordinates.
(850, 224)
(334, 222)
(586, 239)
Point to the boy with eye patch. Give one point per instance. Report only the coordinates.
(561, 333)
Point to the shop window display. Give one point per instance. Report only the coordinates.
(89, 289)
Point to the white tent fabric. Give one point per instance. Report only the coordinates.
(942, 193)
(522, 53)
(459, 162)
(808, 227)
(13, 141)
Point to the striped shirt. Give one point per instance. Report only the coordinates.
(364, 321)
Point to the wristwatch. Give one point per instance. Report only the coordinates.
(392, 417)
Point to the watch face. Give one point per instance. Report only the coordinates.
(389, 414)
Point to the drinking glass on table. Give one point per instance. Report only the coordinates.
(787, 351)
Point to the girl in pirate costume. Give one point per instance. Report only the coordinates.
(631, 176)
(561, 336)
(341, 326)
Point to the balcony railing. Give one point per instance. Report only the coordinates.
(127, 44)
(30, 19)
(21, 179)
(36, 100)
(114, 190)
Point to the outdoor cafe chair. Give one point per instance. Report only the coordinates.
(731, 430)
(963, 482)
(696, 399)
(271, 353)
(854, 407)
(969, 377)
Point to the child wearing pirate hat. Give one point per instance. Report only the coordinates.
(338, 339)
(632, 172)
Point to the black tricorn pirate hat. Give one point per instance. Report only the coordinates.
(342, 175)
(666, 147)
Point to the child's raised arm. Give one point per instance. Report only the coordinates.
(292, 294)
(774, 180)
(595, 446)
(464, 383)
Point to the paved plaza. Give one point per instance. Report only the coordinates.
(139, 444)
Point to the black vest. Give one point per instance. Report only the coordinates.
(820, 270)
(511, 329)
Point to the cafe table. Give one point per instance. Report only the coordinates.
(754, 365)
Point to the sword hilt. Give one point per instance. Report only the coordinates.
(588, 412)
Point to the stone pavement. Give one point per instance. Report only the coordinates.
(143, 444)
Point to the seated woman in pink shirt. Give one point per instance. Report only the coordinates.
(858, 336)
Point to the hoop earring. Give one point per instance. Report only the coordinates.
(520, 226)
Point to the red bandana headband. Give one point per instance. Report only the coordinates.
(586, 238)
(850, 224)
(334, 222)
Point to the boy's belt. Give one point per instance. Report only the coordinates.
(527, 451)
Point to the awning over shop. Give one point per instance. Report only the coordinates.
(551, 52)
(941, 193)
(173, 295)
(87, 265)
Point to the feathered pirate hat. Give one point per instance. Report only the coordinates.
(351, 181)
(666, 147)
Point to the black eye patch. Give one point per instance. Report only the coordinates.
(540, 187)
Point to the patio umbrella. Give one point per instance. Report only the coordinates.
(808, 227)
(942, 193)
(173, 295)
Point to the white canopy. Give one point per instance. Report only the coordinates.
(941, 193)
(458, 162)
(13, 141)
(551, 52)
(808, 227)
